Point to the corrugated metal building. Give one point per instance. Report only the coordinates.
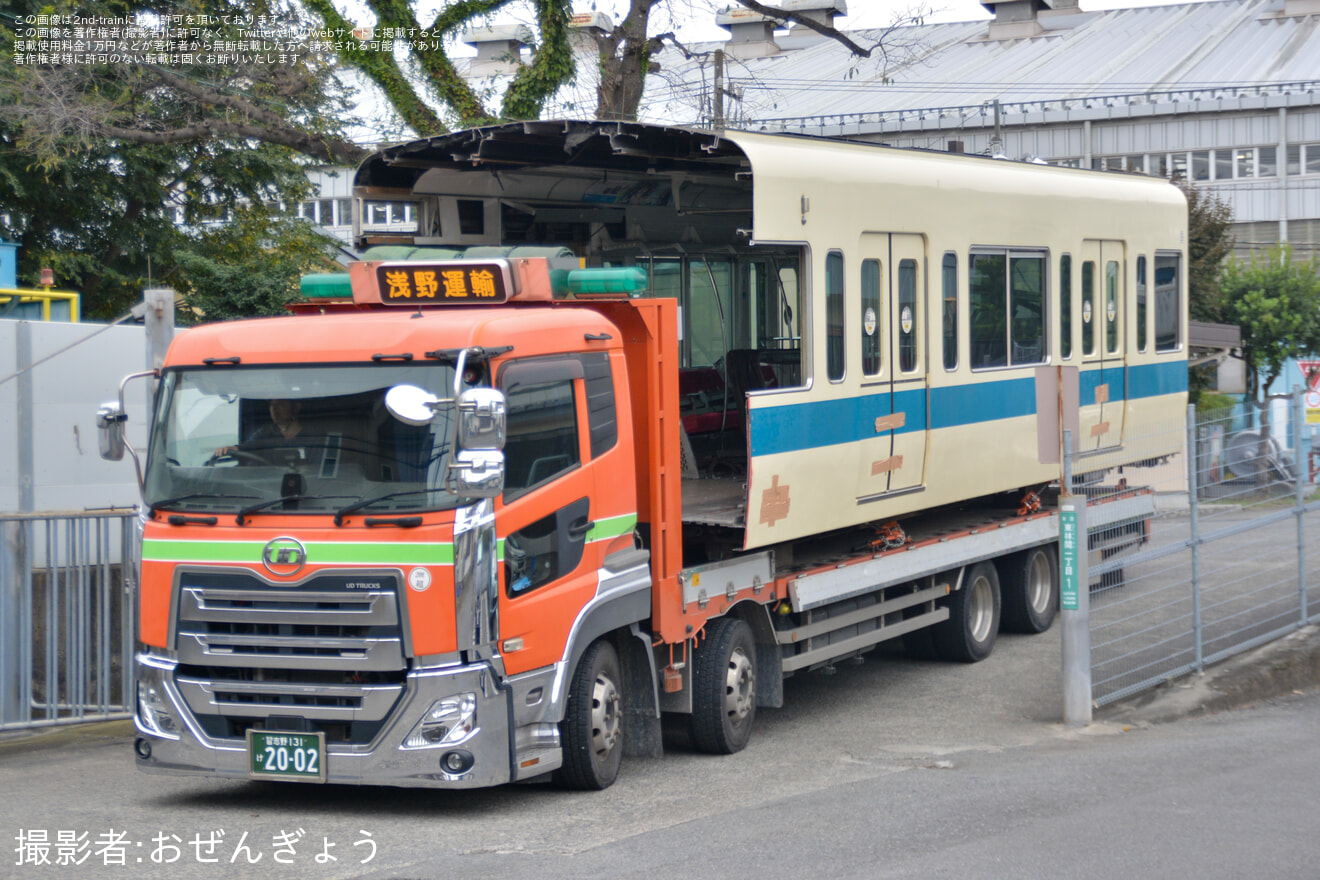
(1226, 94)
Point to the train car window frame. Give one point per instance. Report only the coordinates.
(1112, 309)
(872, 323)
(908, 317)
(1142, 315)
(1065, 307)
(1173, 342)
(836, 348)
(1000, 299)
(1088, 308)
(949, 309)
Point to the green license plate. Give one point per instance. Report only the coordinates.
(292, 757)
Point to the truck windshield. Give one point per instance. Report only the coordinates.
(229, 438)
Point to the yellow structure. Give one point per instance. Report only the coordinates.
(43, 305)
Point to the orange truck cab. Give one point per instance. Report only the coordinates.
(377, 542)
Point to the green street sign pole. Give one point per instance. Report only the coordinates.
(1074, 600)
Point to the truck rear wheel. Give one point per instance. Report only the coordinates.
(592, 729)
(969, 633)
(724, 687)
(1029, 585)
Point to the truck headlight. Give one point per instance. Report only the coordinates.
(447, 722)
(153, 708)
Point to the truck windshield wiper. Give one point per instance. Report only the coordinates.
(367, 502)
(171, 501)
(243, 514)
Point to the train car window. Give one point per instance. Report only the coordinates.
(1141, 303)
(1088, 308)
(1027, 306)
(987, 286)
(1111, 307)
(950, 301)
(907, 315)
(1168, 286)
(1065, 306)
(871, 329)
(1007, 308)
(834, 352)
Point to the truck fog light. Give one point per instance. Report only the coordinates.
(153, 709)
(447, 722)
(142, 747)
(456, 762)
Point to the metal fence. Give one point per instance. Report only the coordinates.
(67, 582)
(1220, 567)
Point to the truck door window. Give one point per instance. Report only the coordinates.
(547, 549)
(542, 435)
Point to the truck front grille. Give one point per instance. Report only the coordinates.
(319, 656)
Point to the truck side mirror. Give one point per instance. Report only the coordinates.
(476, 473)
(110, 419)
(481, 419)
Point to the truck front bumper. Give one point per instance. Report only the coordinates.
(170, 740)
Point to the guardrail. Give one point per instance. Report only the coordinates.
(67, 628)
(1222, 565)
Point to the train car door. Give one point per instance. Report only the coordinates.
(1104, 375)
(893, 382)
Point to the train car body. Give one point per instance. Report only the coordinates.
(861, 326)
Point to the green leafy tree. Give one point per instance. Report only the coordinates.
(1275, 301)
(98, 163)
(1209, 244)
(248, 266)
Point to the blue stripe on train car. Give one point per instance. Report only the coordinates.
(832, 422)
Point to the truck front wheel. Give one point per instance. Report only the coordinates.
(969, 633)
(592, 729)
(724, 687)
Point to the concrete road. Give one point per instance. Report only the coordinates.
(890, 768)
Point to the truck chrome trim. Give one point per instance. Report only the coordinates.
(380, 762)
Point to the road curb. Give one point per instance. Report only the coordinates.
(1285, 665)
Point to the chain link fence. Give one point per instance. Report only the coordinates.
(67, 582)
(1219, 563)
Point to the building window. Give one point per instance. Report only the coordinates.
(345, 207)
(1267, 162)
(1223, 164)
(1312, 159)
(1201, 165)
(1244, 162)
(1158, 166)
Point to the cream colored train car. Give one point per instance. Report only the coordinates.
(861, 326)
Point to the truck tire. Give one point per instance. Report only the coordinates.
(724, 687)
(592, 729)
(1029, 587)
(969, 633)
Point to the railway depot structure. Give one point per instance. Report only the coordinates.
(1225, 94)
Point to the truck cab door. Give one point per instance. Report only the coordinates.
(546, 576)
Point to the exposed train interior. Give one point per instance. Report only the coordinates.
(673, 202)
